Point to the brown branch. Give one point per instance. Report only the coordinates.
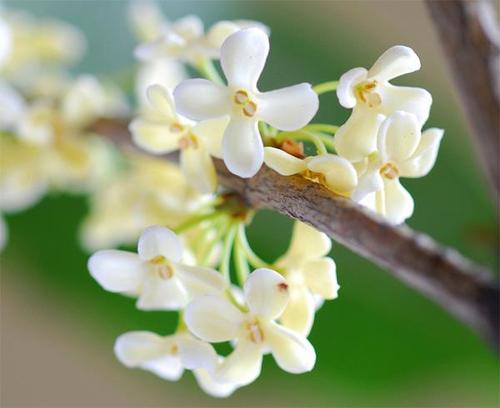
(472, 57)
(466, 290)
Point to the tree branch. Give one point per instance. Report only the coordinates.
(463, 288)
(474, 59)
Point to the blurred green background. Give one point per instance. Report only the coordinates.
(379, 344)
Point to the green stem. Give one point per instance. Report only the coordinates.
(325, 87)
(321, 127)
(241, 260)
(251, 256)
(207, 69)
(222, 229)
(225, 264)
(197, 219)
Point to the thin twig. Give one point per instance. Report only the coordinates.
(465, 289)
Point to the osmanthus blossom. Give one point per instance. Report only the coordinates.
(372, 97)
(403, 151)
(333, 171)
(156, 274)
(253, 330)
(243, 56)
(161, 130)
(310, 274)
(169, 356)
(12, 106)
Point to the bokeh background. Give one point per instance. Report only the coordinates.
(379, 344)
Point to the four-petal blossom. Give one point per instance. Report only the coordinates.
(403, 151)
(156, 274)
(243, 56)
(372, 98)
(255, 332)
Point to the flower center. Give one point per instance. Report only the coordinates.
(365, 92)
(255, 332)
(176, 128)
(187, 141)
(314, 176)
(389, 171)
(162, 267)
(244, 102)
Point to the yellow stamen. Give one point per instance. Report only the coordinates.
(255, 332)
(389, 171)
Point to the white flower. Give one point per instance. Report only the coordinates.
(146, 19)
(372, 97)
(12, 106)
(310, 274)
(255, 331)
(5, 41)
(156, 275)
(185, 40)
(335, 172)
(403, 151)
(243, 56)
(164, 131)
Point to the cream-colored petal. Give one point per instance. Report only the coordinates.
(368, 183)
(211, 386)
(345, 87)
(425, 155)
(211, 133)
(398, 137)
(242, 366)
(189, 27)
(394, 62)
(168, 367)
(398, 202)
(288, 108)
(197, 166)
(242, 147)
(357, 138)
(299, 313)
(266, 293)
(412, 100)
(159, 241)
(219, 32)
(195, 353)
(200, 280)
(292, 352)
(282, 162)
(154, 137)
(243, 56)
(307, 243)
(162, 101)
(213, 319)
(340, 175)
(320, 276)
(117, 271)
(200, 99)
(162, 294)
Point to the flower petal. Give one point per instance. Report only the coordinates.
(242, 147)
(197, 166)
(213, 319)
(340, 174)
(195, 353)
(159, 241)
(168, 367)
(266, 293)
(154, 137)
(243, 56)
(321, 277)
(425, 155)
(299, 313)
(398, 137)
(200, 99)
(189, 27)
(369, 182)
(307, 243)
(292, 352)
(162, 294)
(398, 202)
(408, 99)
(211, 386)
(219, 32)
(242, 366)
(200, 281)
(345, 88)
(394, 62)
(282, 162)
(288, 108)
(117, 271)
(357, 137)
(211, 133)
(162, 101)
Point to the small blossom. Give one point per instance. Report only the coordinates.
(311, 276)
(156, 274)
(335, 172)
(255, 331)
(164, 131)
(12, 106)
(403, 151)
(372, 97)
(243, 56)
